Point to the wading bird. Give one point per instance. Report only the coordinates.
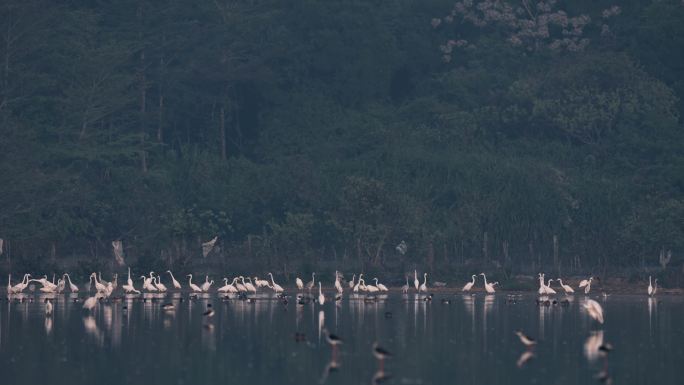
(311, 283)
(299, 283)
(321, 297)
(380, 354)
(72, 287)
(423, 287)
(568, 289)
(380, 286)
(405, 288)
(489, 287)
(351, 283)
(469, 285)
(207, 285)
(650, 287)
(176, 284)
(194, 287)
(416, 284)
(277, 288)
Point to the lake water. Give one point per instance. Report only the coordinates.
(468, 341)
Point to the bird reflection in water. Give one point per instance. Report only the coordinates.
(592, 344)
(332, 366)
(380, 376)
(48, 325)
(91, 328)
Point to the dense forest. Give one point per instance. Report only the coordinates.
(509, 135)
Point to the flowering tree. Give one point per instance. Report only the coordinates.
(530, 25)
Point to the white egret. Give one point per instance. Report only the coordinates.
(193, 287)
(321, 297)
(98, 285)
(351, 283)
(241, 288)
(371, 288)
(358, 284)
(548, 288)
(587, 288)
(48, 307)
(160, 285)
(9, 284)
(249, 285)
(72, 287)
(380, 286)
(468, 286)
(277, 288)
(225, 287)
(655, 286)
(299, 283)
(405, 288)
(650, 287)
(489, 288)
(423, 287)
(416, 284)
(311, 283)
(338, 285)
(568, 289)
(207, 285)
(585, 282)
(176, 284)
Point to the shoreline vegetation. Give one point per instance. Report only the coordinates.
(451, 135)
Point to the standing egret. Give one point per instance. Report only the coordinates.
(585, 282)
(405, 288)
(587, 288)
(299, 283)
(194, 287)
(207, 285)
(241, 288)
(338, 285)
(176, 284)
(371, 288)
(72, 287)
(568, 289)
(311, 283)
(650, 288)
(277, 288)
(225, 287)
(423, 287)
(351, 283)
(48, 307)
(321, 297)
(358, 284)
(380, 286)
(160, 285)
(548, 288)
(416, 283)
(9, 284)
(489, 288)
(248, 285)
(469, 285)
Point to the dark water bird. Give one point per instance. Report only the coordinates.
(428, 298)
(388, 314)
(526, 340)
(380, 376)
(380, 353)
(605, 348)
(209, 313)
(332, 339)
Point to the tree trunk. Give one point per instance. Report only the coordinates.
(556, 262)
(485, 248)
(143, 94)
(223, 133)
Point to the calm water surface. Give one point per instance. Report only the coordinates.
(469, 341)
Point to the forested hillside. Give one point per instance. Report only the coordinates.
(514, 135)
